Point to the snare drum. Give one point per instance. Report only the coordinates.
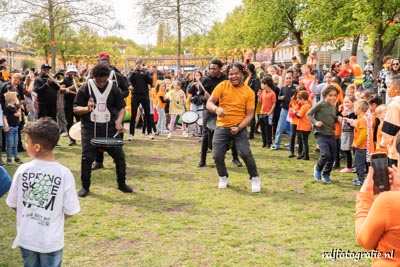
(189, 117)
(200, 121)
(106, 142)
(212, 124)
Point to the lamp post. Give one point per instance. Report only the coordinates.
(122, 50)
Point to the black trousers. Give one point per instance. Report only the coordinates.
(89, 154)
(136, 100)
(69, 114)
(48, 110)
(204, 139)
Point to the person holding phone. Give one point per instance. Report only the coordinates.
(377, 221)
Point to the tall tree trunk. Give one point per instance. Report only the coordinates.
(300, 44)
(179, 34)
(273, 53)
(354, 45)
(380, 50)
(52, 36)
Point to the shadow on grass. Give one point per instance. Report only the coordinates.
(148, 203)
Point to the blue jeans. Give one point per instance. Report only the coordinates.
(12, 142)
(36, 259)
(280, 127)
(327, 154)
(220, 141)
(5, 181)
(360, 159)
(162, 120)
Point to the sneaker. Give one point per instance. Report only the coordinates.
(349, 170)
(169, 136)
(8, 162)
(237, 162)
(291, 155)
(130, 138)
(326, 179)
(97, 166)
(151, 137)
(255, 185)
(223, 182)
(185, 134)
(317, 174)
(125, 188)
(274, 147)
(83, 192)
(72, 143)
(357, 182)
(18, 160)
(64, 134)
(164, 131)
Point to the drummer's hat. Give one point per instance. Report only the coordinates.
(71, 68)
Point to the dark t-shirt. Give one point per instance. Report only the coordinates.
(46, 94)
(115, 103)
(287, 92)
(210, 82)
(140, 81)
(9, 111)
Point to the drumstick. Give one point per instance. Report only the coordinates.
(115, 135)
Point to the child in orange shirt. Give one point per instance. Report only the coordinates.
(304, 124)
(360, 140)
(293, 107)
(267, 98)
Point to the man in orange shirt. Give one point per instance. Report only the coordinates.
(377, 222)
(234, 113)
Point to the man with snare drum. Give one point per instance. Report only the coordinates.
(102, 109)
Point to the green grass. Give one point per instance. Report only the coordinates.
(178, 217)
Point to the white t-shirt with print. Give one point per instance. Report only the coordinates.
(42, 192)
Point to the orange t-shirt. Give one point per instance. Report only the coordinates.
(304, 123)
(378, 147)
(159, 103)
(378, 224)
(360, 124)
(293, 106)
(268, 98)
(235, 101)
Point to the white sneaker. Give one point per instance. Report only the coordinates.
(130, 138)
(151, 137)
(164, 131)
(223, 182)
(255, 185)
(185, 135)
(169, 136)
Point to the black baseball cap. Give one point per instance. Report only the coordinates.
(46, 66)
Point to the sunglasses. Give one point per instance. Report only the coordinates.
(395, 64)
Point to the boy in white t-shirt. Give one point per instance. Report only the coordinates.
(43, 194)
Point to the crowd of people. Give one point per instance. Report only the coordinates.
(351, 113)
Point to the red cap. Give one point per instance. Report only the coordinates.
(103, 54)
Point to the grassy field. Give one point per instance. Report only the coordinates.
(178, 217)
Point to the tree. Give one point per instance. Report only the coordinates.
(277, 20)
(56, 14)
(186, 16)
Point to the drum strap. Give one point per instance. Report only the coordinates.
(100, 113)
(113, 77)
